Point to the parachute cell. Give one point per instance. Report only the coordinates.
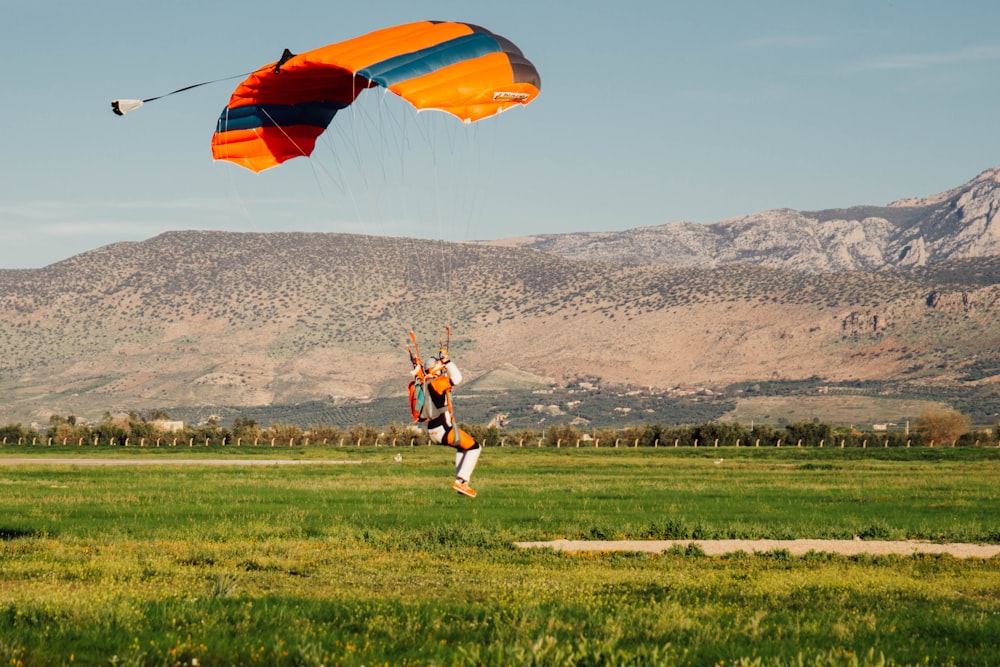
(278, 112)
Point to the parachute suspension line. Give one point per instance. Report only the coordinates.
(372, 127)
(234, 194)
(451, 170)
(383, 123)
(302, 152)
(386, 118)
(386, 150)
(354, 142)
(475, 174)
(394, 140)
(417, 136)
(351, 159)
(445, 257)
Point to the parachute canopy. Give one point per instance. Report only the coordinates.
(278, 112)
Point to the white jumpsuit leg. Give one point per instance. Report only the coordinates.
(465, 462)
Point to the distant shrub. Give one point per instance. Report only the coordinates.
(12, 433)
(942, 426)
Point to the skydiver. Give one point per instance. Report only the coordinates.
(439, 377)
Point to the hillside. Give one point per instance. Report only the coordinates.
(961, 223)
(226, 319)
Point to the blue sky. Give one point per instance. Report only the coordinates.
(650, 112)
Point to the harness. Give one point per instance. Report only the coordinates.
(428, 383)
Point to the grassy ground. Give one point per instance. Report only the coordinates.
(380, 563)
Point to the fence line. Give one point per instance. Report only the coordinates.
(381, 441)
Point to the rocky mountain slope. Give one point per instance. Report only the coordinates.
(960, 223)
(214, 318)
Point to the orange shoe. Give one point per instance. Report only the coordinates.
(463, 488)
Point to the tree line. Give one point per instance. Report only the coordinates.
(932, 428)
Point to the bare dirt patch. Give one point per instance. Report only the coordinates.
(795, 547)
(165, 461)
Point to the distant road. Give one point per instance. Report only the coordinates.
(166, 461)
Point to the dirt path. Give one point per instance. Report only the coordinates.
(168, 461)
(795, 547)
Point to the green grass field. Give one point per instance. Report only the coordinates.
(380, 563)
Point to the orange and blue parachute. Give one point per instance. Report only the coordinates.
(280, 109)
(278, 112)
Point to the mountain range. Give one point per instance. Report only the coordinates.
(908, 292)
(958, 224)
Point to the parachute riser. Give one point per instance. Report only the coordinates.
(414, 350)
